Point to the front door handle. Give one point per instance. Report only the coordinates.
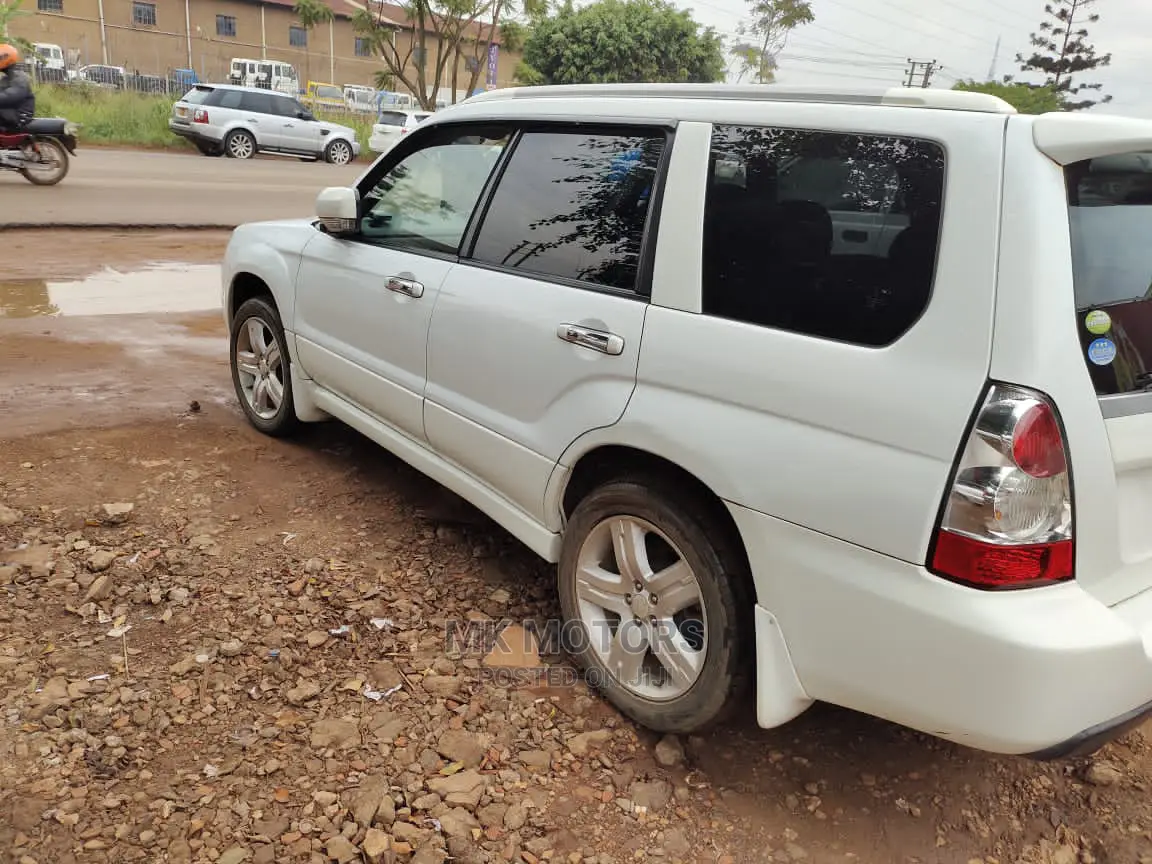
(586, 337)
(405, 286)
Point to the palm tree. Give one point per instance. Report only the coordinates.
(311, 13)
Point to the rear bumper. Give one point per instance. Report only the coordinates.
(1046, 673)
(203, 134)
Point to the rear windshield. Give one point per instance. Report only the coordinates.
(1110, 215)
(392, 118)
(197, 95)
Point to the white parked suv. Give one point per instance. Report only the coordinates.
(239, 122)
(847, 396)
(391, 125)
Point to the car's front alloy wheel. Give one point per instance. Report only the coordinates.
(657, 597)
(261, 368)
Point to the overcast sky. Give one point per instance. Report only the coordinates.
(868, 42)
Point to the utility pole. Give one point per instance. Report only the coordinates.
(922, 69)
(995, 60)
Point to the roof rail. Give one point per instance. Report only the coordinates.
(909, 97)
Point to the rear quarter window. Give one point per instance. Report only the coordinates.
(825, 234)
(1110, 220)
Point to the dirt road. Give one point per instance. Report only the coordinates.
(252, 663)
(117, 187)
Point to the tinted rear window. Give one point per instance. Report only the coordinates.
(391, 118)
(197, 95)
(1110, 215)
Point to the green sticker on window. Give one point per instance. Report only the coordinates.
(1098, 322)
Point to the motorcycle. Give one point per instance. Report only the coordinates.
(39, 150)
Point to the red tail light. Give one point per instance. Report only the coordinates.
(1007, 521)
(200, 115)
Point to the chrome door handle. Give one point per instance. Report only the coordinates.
(586, 337)
(405, 286)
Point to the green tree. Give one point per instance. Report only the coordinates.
(1025, 98)
(10, 10)
(310, 14)
(446, 31)
(621, 41)
(1063, 52)
(766, 35)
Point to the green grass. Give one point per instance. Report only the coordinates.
(122, 119)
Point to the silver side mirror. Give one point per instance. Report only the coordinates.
(337, 208)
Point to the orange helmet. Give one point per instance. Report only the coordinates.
(9, 56)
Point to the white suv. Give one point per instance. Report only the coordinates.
(239, 122)
(391, 126)
(848, 396)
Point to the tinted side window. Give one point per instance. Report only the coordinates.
(426, 200)
(573, 205)
(257, 103)
(284, 106)
(230, 98)
(826, 234)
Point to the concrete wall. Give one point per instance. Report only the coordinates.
(261, 31)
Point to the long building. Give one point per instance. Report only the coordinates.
(153, 37)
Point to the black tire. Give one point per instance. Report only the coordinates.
(62, 160)
(210, 149)
(284, 421)
(240, 145)
(720, 568)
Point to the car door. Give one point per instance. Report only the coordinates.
(536, 334)
(259, 117)
(292, 130)
(364, 301)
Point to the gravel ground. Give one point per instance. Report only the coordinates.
(216, 647)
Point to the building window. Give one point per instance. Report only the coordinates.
(471, 63)
(297, 37)
(363, 47)
(419, 55)
(226, 26)
(143, 14)
(49, 5)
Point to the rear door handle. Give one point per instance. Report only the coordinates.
(586, 337)
(405, 286)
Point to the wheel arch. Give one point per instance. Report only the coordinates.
(604, 462)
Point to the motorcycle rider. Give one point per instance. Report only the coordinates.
(17, 102)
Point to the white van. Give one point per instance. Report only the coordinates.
(51, 56)
(360, 98)
(265, 74)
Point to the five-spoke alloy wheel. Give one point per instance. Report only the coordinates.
(659, 604)
(261, 367)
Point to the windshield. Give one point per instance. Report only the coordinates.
(1110, 217)
(329, 92)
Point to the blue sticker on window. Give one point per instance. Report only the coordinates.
(1102, 352)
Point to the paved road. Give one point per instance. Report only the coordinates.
(120, 187)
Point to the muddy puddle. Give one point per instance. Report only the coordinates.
(153, 289)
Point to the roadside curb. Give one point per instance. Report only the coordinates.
(114, 226)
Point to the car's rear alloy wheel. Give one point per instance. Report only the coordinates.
(240, 145)
(339, 152)
(656, 597)
(261, 368)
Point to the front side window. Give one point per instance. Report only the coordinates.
(297, 37)
(143, 14)
(426, 201)
(285, 107)
(574, 205)
(257, 103)
(1110, 217)
(827, 234)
